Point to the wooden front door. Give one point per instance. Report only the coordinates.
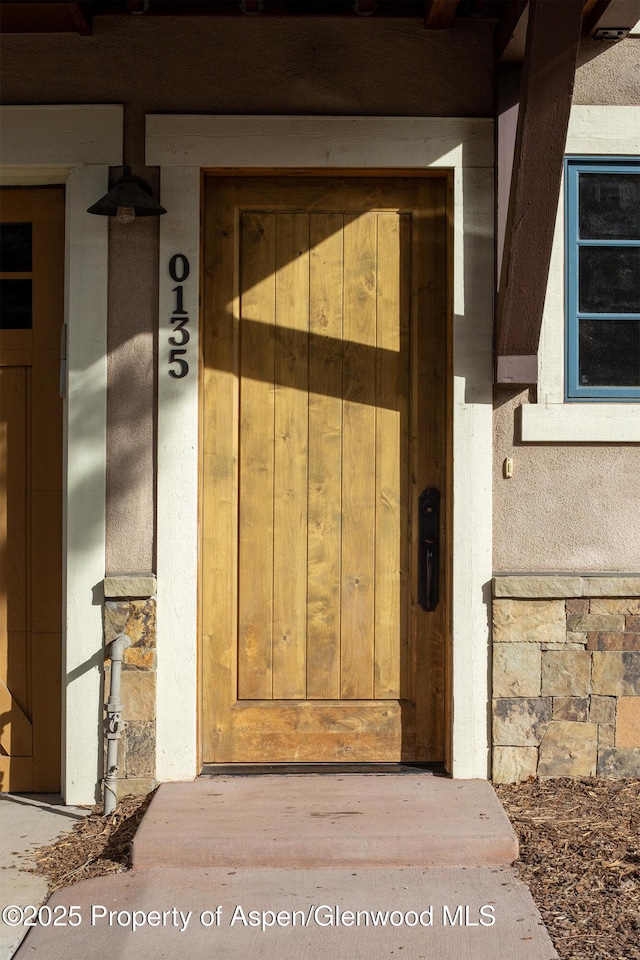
(31, 305)
(324, 417)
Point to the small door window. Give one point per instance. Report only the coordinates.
(15, 276)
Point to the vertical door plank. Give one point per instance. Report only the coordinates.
(16, 774)
(391, 453)
(220, 467)
(47, 668)
(257, 358)
(358, 471)
(14, 525)
(45, 575)
(290, 456)
(14, 439)
(430, 359)
(325, 456)
(46, 466)
(16, 729)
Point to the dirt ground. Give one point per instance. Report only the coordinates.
(579, 854)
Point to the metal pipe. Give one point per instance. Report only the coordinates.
(115, 723)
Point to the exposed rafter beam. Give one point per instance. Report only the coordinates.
(81, 15)
(594, 10)
(553, 38)
(513, 12)
(439, 14)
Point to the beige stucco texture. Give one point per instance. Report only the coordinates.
(608, 73)
(257, 65)
(133, 321)
(567, 507)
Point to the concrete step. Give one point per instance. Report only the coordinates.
(307, 821)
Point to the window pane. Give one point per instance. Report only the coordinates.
(609, 280)
(609, 353)
(609, 206)
(15, 247)
(15, 304)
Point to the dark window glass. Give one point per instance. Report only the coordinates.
(15, 247)
(609, 353)
(609, 280)
(15, 304)
(609, 206)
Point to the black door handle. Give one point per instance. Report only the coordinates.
(429, 549)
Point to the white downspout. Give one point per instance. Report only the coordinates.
(115, 722)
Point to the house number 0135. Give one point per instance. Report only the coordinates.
(178, 366)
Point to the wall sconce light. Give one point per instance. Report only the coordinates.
(129, 198)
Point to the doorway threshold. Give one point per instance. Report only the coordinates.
(256, 769)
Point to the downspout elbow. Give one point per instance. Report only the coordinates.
(118, 646)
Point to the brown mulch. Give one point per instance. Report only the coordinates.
(579, 854)
(96, 846)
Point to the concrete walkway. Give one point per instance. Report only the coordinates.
(27, 821)
(340, 867)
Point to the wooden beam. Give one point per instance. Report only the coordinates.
(594, 10)
(439, 14)
(46, 17)
(82, 16)
(512, 13)
(553, 38)
(508, 79)
(517, 370)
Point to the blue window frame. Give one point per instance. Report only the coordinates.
(603, 279)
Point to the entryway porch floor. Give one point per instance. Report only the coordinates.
(342, 867)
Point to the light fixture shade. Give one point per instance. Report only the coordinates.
(131, 192)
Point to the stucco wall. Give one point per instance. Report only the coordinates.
(608, 73)
(568, 507)
(259, 65)
(236, 65)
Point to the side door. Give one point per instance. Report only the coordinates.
(31, 321)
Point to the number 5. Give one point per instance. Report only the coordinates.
(183, 366)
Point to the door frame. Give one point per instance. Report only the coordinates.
(184, 146)
(74, 146)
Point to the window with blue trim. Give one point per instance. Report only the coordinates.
(603, 279)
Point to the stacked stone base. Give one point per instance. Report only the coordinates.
(566, 677)
(125, 611)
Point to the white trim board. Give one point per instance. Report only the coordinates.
(60, 135)
(580, 423)
(375, 142)
(593, 131)
(182, 146)
(76, 145)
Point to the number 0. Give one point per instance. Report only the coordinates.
(178, 268)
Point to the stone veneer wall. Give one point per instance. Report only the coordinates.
(126, 611)
(566, 677)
